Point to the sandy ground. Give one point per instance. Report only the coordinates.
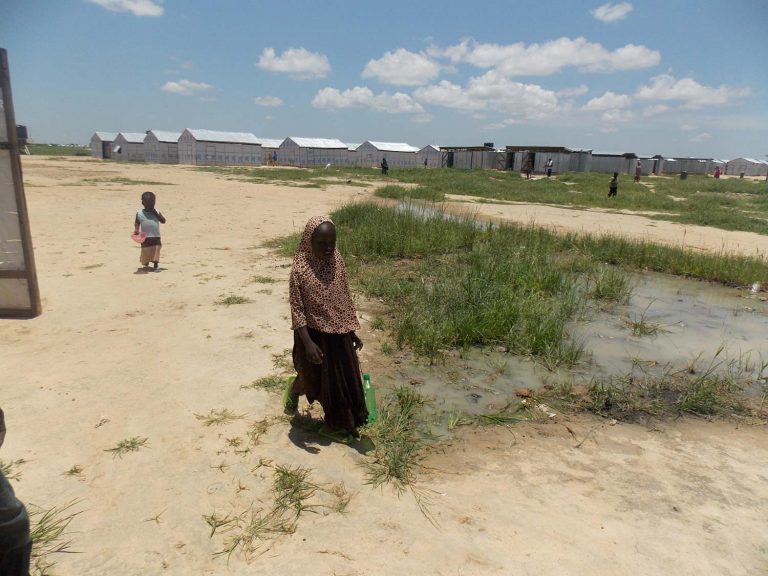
(597, 221)
(118, 354)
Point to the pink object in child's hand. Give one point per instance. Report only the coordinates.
(139, 237)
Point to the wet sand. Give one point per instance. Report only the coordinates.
(118, 354)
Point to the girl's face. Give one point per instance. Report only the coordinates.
(324, 241)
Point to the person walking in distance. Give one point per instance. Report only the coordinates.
(549, 166)
(613, 185)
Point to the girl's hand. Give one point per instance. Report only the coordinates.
(357, 344)
(314, 354)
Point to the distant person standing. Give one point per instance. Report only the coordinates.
(638, 171)
(15, 541)
(717, 172)
(425, 162)
(549, 166)
(384, 166)
(274, 158)
(528, 167)
(613, 185)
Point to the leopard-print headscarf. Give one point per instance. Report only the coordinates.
(319, 290)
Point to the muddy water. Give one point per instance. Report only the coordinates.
(695, 318)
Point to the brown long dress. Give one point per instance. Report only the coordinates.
(321, 301)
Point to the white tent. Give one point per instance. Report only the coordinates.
(101, 144)
(397, 154)
(162, 146)
(746, 166)
(431, 154)
(352, 156)
(313, 152)
(211, 147)
(129, 147)
(269, 146)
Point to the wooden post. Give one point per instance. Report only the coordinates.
(19, 292)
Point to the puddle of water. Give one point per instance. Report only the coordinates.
(698, 318)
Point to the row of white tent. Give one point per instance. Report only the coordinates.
(211, 147)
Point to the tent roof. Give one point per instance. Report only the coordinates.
(106, 136)
(434, 147)
(269, 142)
(166, 136)
(217, 136)
(133, 137)
(317, 142)
(353, 147)
(393, 146)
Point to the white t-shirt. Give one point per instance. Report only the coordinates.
(148, 223)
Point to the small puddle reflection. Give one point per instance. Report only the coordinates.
(695, 320)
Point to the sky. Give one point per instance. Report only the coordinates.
(672, 77)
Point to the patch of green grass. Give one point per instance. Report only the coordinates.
(49, 533)
(218, 417)
(129, 445)
(262, 279)
(58, 150)
(272, 383)
(125, 181)
(718, 390)
(609, 284)
(640, 326)
(294, 493)
(76, 470)
(377, 323)
(10, 469)
(399, 434)
(232, 300)
(283, 361)
(403, 192)
(730, 204)
(319, 177)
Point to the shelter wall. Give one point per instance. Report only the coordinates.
(431, 155)
(371, 156)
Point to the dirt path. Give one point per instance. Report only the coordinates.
(602, 222)
(117, 355)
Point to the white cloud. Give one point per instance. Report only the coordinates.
(616, 116)
(609, 129)
(268, 101)
(612, 12)
(500, 125)
(422, 119)
(548, 58)
(402, 68)
(491, 92)
(298, 63)
(688, 127)
(607, 101)
(363, 97)
(185, 87)
(699, 138)
(136, 7)
(573, 92)
(689, 92)
(655, 110)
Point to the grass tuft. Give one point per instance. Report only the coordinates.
(218, 417)
(129, 445)
(49, 533)
(232, 300)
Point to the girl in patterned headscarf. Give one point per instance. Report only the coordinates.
(324, 341)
